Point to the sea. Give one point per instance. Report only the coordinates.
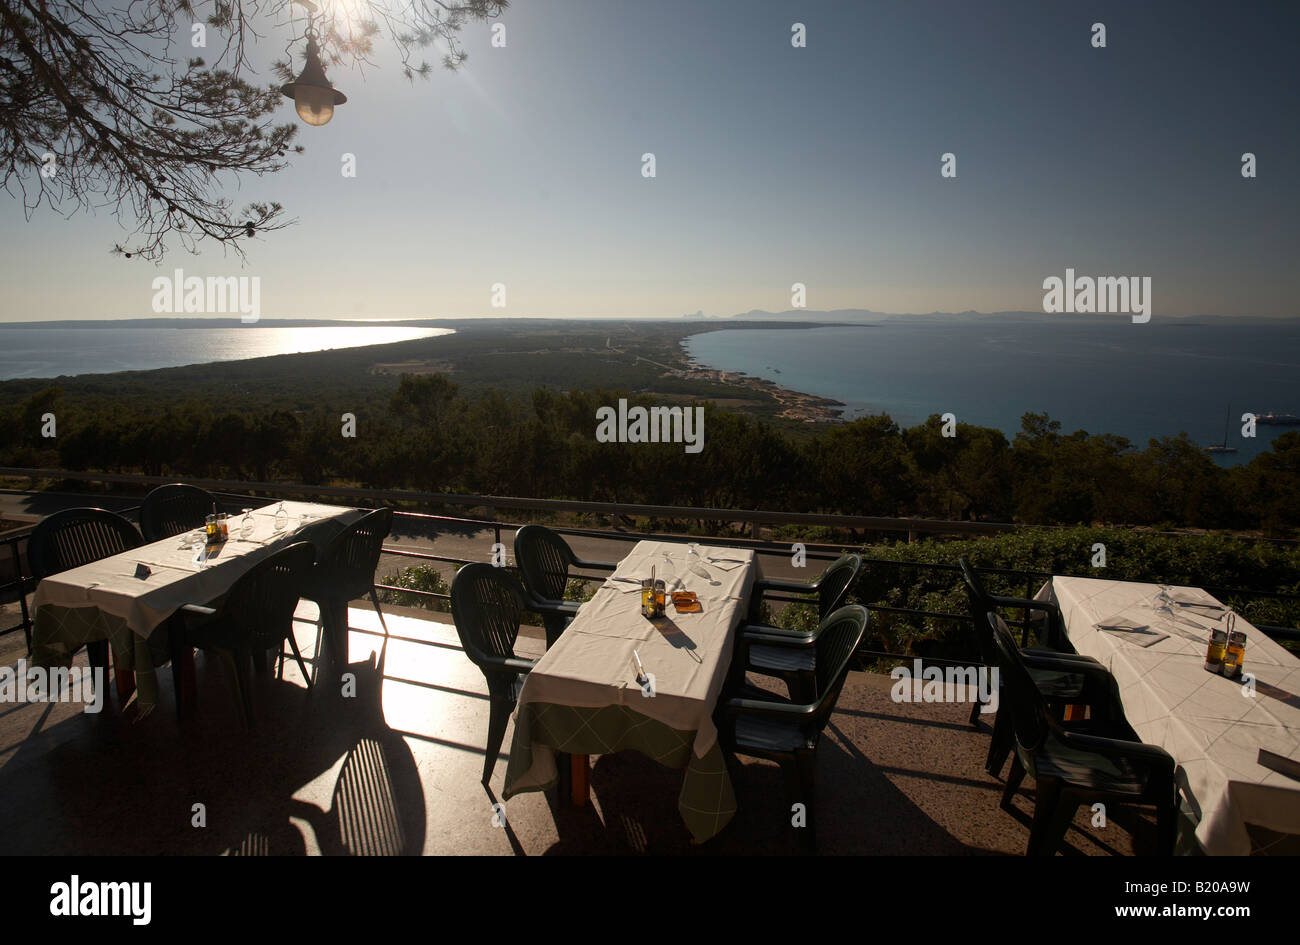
(1099, 375)
(51, 352)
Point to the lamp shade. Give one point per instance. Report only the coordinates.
(311, 92)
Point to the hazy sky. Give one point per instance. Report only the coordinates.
(775, 165)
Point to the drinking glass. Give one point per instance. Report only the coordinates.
(695, 562)
(247, 525)
(1165, 601)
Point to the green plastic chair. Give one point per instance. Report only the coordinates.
(345, 571)
(832, 588)
(486, 605)
(760, 724)
(73, 537)
(1063, 676)
(1101, 760)
(759, 646)
(544, 560)
(173, 509)
(256, 616)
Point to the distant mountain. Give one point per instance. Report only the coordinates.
(853, 315)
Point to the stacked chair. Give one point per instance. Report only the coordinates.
(789, 654)
(758, 723)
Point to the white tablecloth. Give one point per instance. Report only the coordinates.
(592, 665)
(143, 603)
(1208, 723)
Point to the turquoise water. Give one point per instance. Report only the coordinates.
(50, 352)
(1103, 376)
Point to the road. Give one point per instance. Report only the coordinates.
(462, 542)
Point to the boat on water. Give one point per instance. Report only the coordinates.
(1277, 419)
(1222, 447)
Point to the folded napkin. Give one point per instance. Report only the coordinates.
(1120, 622)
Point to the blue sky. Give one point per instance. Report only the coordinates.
(774, 165)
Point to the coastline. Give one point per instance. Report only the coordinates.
(795, 404)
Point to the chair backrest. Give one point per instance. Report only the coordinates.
(172, 509)
(838, 637)
(980, 605)
(1029, 713)
(348, 563)
(74, 537)
(835, 583)
(486, 606)
(262, 602)
(544, 559)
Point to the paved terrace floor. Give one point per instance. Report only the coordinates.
(397, 770)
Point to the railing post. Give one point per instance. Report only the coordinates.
(756, 530)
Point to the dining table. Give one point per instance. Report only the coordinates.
(1236, 741)
(617, 680)
(129, 598)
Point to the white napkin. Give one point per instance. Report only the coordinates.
(1120, 622)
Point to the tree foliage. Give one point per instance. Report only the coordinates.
(103, 105)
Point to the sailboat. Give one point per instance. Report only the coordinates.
(1223, 447)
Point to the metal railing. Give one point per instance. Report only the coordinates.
(238, 493)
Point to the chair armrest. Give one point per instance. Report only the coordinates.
(1100, 691)
(1066, 663)
(1055, 624)
(775, 710)
(1057, 655)
(511, 664)
(594, 565)
(778, 584)
(1157, 758)
(567, 607)
(199, 610)
(764, 629)
(760, 634)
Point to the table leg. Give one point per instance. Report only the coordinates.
(189, 683)
(579, 787)
(125, 680)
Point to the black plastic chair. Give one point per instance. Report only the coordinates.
(544, 560)
(73, 537)
(174, 509)
(1102, 760)
(1064, 677)
(345, 571)
(762, 725)
(759, 649)
(486, 604)
(254, 617)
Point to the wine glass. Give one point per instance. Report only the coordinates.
(281, 518)
(695, 562)
(247, 525)
(1165, 601)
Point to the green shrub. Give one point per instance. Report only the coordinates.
(420, 577)
(1213, 561)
